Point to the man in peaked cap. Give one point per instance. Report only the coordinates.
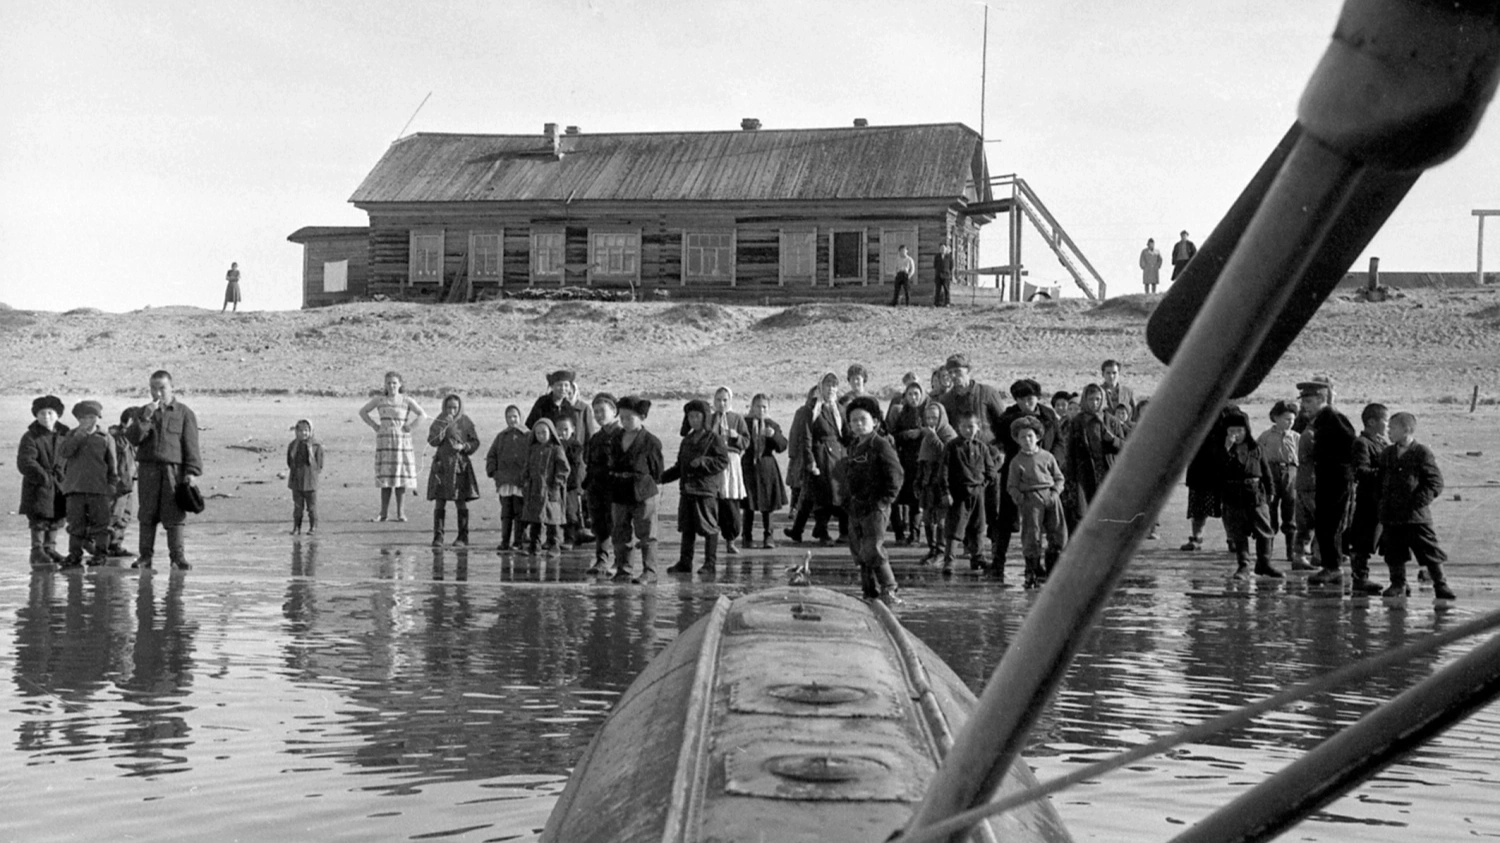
(1332, 456)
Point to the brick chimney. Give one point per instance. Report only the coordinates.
(571, 130)
(860, 123)
(750, 124)
(549, 130)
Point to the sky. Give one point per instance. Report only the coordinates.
(146, 145)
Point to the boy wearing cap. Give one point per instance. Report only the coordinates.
(1362, 537)
(969, 469)
(635, 470)
(1333, 471)
(1027, 394)
(1410, 482)
(89, 477)
(165, 434)
(701, 457)
(304, 462)
(596, 478)
(874, 476)
(41, 479)
(122, 504)
(1279, 446)
(1034, 484)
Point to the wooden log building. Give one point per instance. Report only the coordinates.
(335, 263)
(763, 215)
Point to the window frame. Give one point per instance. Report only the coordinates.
(733, 248)
(413, 278)
(474, 274)
(595, 272)
(811, 276)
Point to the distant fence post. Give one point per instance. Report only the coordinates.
(1372, 282)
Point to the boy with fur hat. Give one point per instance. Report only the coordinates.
(1027, 395)
(635, 470)
(701, 458)
(1279, 446)
(1246, 486)
(969, 467)
(505, 463)
(596, 478)
(89, 476)
(1034, 484)
(874, 478)
(41, 479)
(304, 462)
(1409, 482)
(121, 511)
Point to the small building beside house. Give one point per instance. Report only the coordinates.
(755, 213)
(335, 263)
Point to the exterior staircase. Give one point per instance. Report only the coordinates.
(1024, 200)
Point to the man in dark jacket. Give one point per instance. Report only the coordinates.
(942, 274)
(1333, 470)
(165, 434)
(635, 469)
(1182, 252)
(874, 479)
(1410, 482)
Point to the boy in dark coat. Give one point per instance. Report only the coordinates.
(1333, 473)
(573, 499)
(1362, 537)
(969, 466)
(596, 478)
(89, 476)
(41, 479)
(874, 476)
(1246, 486)
(635, 470)
(700, 458)
(505, 463)
(1409, 482)
(1034, 483)
(122, 503)
(304, 462)
(1028, 397)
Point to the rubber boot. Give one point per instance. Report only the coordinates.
(507, 526)
(1241, 565)
(175, 550)
(1398, 586)
(533, 537)
(439, 519)
(39, 557)
(49, 544)
(648, 562)
(74, 559)
(710, 554)
(948, 556)
(569, 536)
(1050, 560)
(1028, 580)
(462, 540)
(1263, 560)
(148, 546)
(685, 555)
(296, 522)
(1291, 550)
(621, 571)
(1359, 571)
(996, 570)
(551, 543)
(1440, 589)
(868, 587)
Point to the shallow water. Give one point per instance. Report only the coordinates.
(366, 687)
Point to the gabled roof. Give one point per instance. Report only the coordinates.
(315, 232)
(876, 162)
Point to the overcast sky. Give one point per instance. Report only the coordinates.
(145, 145)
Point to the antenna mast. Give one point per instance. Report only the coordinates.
(429, 96)
(984, 66)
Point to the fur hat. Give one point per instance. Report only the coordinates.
(866, 403)
(957, 361)
(46, 401)
(560, 376)
(635, 404)
(697, 405)
(1023, 388)
(1026, 423)
(88, 408)
(605, 398)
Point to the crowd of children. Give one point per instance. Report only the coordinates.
(952, 465)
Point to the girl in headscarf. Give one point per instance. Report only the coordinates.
(452, 475)
(545, 482)
(730, 426)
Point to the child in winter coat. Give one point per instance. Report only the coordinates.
(573, 500)
(304, 462)
(931, 484)
(41, 479)
(874, 476)
(1246, 485)
(701, 458)
(1362, 536)
(545, 484)
(1409, 482)
(122, 503)
(1034, 481)
(452, 475)
(635, 470)
(506, 463)
(969, 464)
(596, 503)
(765, 492)
(89, 476)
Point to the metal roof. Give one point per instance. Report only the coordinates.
(875, 162)
(313, 232)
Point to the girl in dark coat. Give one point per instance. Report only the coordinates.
(1094, 437)
(41, 479)
(905, 427)
(545, 481)
(505, 463)
(304, 462)
(701, 459)
(765, 491)
(1245, 488)
(452, 476)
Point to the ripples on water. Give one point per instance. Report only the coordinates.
(345, 692)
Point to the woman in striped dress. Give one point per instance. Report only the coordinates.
(395, 458)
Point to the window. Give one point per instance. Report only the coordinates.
(426, 261)
(847, 256)
(547, 249)
(614, 254)
(708, 257)
(335, 276)
(486, 255)
(799, 256)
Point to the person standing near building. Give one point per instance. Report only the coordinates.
(232, 288)
(942, 275)
(1182, 252)
(165, 435)
(906, 273)
(1150, 266)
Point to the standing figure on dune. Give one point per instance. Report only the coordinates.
(1182, 252)
(232, 288)
(1150, 266)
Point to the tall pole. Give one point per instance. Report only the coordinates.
(984, 69)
